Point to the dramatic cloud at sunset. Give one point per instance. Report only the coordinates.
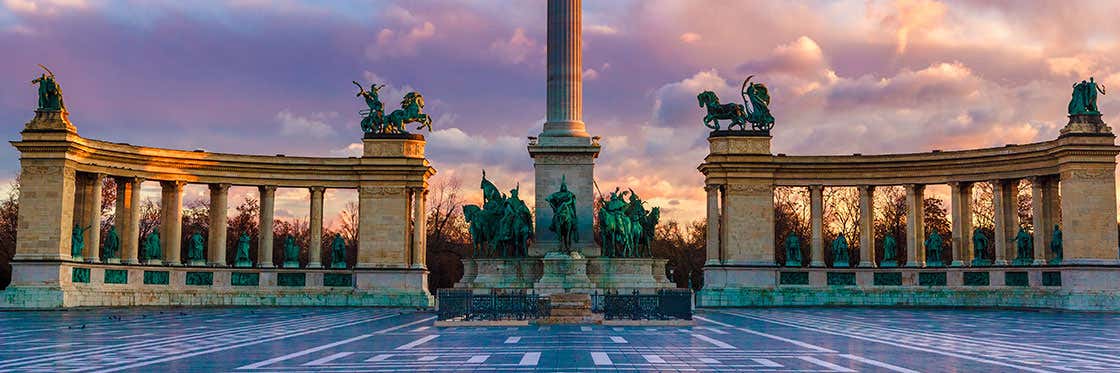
(274, 77)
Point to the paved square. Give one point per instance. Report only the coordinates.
(345, 339)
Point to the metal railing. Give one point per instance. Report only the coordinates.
(463, 304)
(665, 304)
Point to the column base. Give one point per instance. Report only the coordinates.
(957, 263)
(314, 265)
(817, 264)
(867, 264)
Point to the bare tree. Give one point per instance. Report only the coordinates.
(447, 237)
(937, 219)
(247, 221)
(196, 219)
(791, 216)
(685, 247)
(890, 219)
(841, 215)
(9, 224)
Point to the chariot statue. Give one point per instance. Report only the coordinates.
(375, 121)
(755, 110)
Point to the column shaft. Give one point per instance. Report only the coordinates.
(915, 226)
(1006, 220)
(418, 229)
(219, 223)
(128, 224)
(816, 212)
(565, 70)
(171, 224)
(724, 219)
(93, 219)
(316, 247)
(1039, 219)
(961, 200)
(713, 225)
(866, 226)
(268, 210)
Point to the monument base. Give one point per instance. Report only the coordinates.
(623, 274)
(563, 272)
(570, 308)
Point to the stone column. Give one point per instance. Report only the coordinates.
(1089, 210)
(419, 228)
(128, 205)
(866, 226)
(1006, 220)
(1052, 209)
(915, 226)
(1039, 219)
(383, 238)
(268, 210)
(171, 224)
(316, 247)
(565, 70)
(219, 223)
(961, 200)
(93, 219)
(713, 224)
(816, 213)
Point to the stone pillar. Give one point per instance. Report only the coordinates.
(383, 238)
(419, 229)
(1088, 206)
(866, 226)
(713, 225)
(565, 70)
(171, 223)
(128, 218)
(816, 213)
(316, 247)
(219, 223)
(93, 219)
(1006, 220)
(749, 224)
(1052, 209)
(915, 226)
(961, 201)
(1039, 219)
(268, 210)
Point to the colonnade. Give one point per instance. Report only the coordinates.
(87, 212)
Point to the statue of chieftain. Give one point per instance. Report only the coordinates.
(374, 120)
(626, 228)
(502, 226)
(564, 220)
(756, 111)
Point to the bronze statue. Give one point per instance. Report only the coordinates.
(890, 252)
(980, 243)
(195, 248)
(1083, 101)
(840, 257)
(934, 250)
(564, 219)
(338, 252)
(756, 110)
(625, 227)
(112, 247)
(793, 250)
(77, 241)
(1024, 247)
(152, 250)
(502, 226)
(375, 121)
(241, 259)
(50, 93)
(291, 252)
(1056, 246)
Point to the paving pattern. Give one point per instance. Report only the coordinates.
(352, 339)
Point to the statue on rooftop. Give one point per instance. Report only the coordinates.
(50, 93)
(840, 256)
(793, 250)
(1024, 247)
(980, 243)
(759, 110)
(338, 252)
(1084, 98)
(112, 247)
(1056, 246)
(375, 121)
(890, 252)
(241, 259)
(934, 250)
(77, 241)
(756, 110)
(564, 221)
(195, 247)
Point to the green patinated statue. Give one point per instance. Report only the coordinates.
(934, 250)
(78, 241)
(50, 93)
(112, 247)
(793, 250)
(564, 220)
(1024, 248)
(338, 252)
(980, 245)
(195, 247)
(502, 226)
(241, 258)
(1084, 98)
(151, 246)
(756, 110)
(890, 252)
(1056, 246)
(840, 257)
(374, 120)
(291, 252)
(625, 227)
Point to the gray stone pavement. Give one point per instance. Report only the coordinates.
(367, 339)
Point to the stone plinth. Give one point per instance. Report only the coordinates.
(570, 308)
(571, 159)
(503, 273)
(51, 120)
(1085, 124)
(623, 274)
(563, 272)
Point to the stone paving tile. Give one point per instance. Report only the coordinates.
(352, 339)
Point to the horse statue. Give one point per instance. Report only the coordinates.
(755, 110)
(563, 203)
(411, 111)
(716, 112)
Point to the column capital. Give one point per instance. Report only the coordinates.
(960, 184)
(712, 187)
(865, 187)
(220, 187)
(914, 187)
(176, 184)
(267, 188)
(128, 179)
(317, 189)
(816, 187)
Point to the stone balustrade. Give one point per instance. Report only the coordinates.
(61, 181)
(1072, 182)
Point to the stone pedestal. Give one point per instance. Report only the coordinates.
(571, 308)
(571, 159)
(470, 272)
(563, 272)
(1088, 199)
(623, 274)
(503, 273)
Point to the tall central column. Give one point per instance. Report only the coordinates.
(564, 151)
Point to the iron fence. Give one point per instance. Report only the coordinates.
(497, 305)
(665, 304)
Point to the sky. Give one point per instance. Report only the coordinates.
(269, 77)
